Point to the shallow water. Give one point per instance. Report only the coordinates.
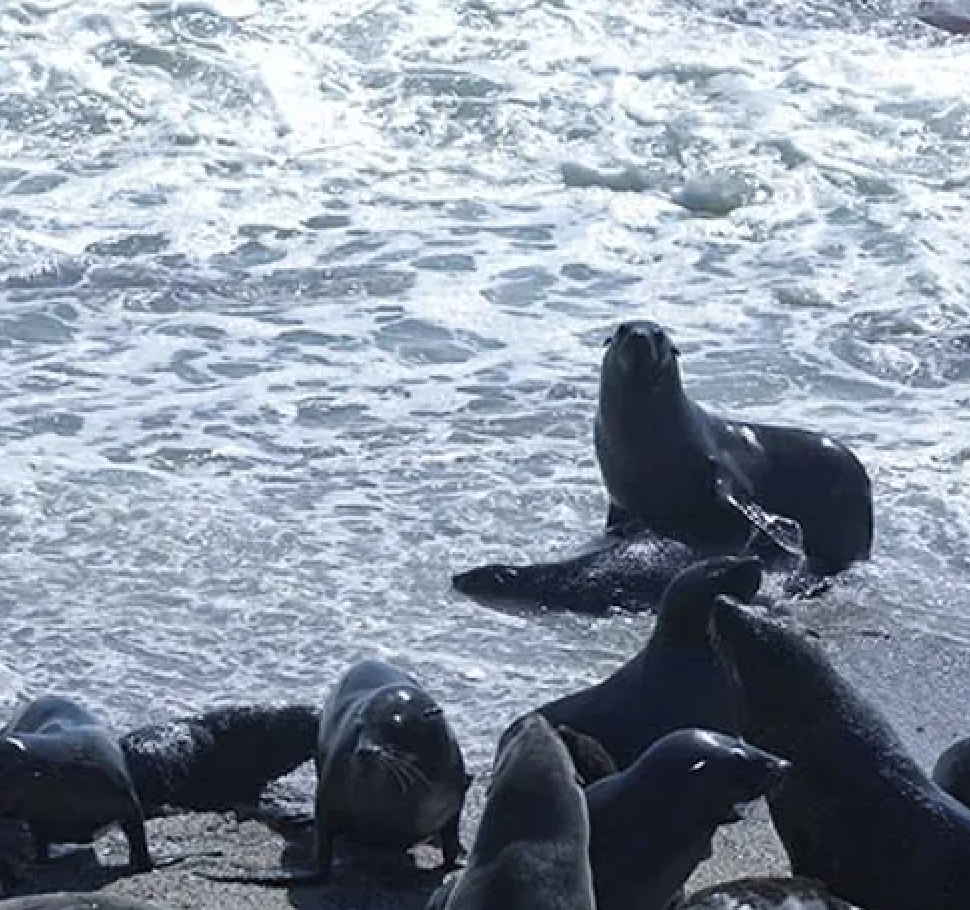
(302, 309)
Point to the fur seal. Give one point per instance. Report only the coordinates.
(856, 812)
(717, 483)
(220, 759)
(390, 772)
(629, 573)
(952, 771)
(652, 824)
(674, 681)
(532, 845)
(765, 894)
(64, 774)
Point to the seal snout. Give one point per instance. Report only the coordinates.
(486, 581)
(641, 346)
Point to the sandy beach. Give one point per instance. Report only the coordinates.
(922, 684)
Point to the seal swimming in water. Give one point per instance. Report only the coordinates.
(675, 681)
(765, 894)
(856, 812)
(653, 824)
(220, 759)
(532, 845)
(390, 772)
(64, 774)
(952, 771)
(717, 483)
(629, 573)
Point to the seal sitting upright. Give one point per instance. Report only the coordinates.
(389, 768)
(64, 774)
(856, 811)
(675, 681)
(715, 483)
(532, 846)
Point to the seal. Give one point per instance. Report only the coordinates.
(591, 760)
(765, 894)
(715, 483)
(675, 681)
(653, 824)
(856, 811)
(952, 771)
(629, 574)
(532, 845)
(64, 774)
(390, 772)
(220, 759)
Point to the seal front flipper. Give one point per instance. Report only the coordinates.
(783, 533)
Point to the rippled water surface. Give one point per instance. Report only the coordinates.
(301, 306)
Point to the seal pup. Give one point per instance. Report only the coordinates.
(952, 771)
(64, 775)
(220, 759)
(675, 681)
(532, 846)
(717, 483)
(630, 573)
(390, 772)
(653, 824)
(765, 894)
(856, 812)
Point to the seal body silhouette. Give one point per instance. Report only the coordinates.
(389, 768)
(532, 846)
(629, 573)
(952, 771)
(717, 483)
(652, 824)
(856, 812)
(675, 681)
(64, 774)
(220, 759)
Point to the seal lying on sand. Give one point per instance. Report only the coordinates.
(716, 483)
(675, 681)
(651, 825)
(63, 774)
(765, 894)
(630, 573)
(390, 772)
(220, 759)
(855, 812)
(532, 845)
(952, 771)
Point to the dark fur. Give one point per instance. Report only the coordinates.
(765, 894)
(674, 682)
(652, 824)
(630, 573)
(856, 812)
(532, 846)
(672, 467)
(952, 771)
(218, 760)
(63, 774)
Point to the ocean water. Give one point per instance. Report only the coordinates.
(302, 305)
